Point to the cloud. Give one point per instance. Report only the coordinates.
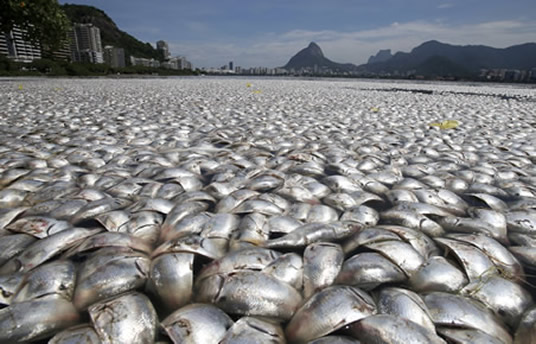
(445, 5)
(273, 49)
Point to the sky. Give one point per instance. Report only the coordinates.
(267, 33)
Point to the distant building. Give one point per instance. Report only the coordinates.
(163, 48)
(14, 46)
(86, 44)
(140, 61)
(231, 65)
(114, 57)
(63, 53)
(177, 63)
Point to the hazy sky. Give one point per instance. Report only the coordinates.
(267, 33)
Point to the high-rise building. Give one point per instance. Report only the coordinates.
(14, 46)
(115, 57)
(163, 48)
(140, 61)
(86, 44)
(231, 65)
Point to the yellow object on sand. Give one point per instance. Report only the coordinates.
(450, 124)
(20, 87)
(257, 91)
(248, 85)
(374, 109)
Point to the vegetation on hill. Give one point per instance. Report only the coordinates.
(43, 20)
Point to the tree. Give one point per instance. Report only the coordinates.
(43, 20)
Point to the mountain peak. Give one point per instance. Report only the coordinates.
(312, 57)
(314, 49)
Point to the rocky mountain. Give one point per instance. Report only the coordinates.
(381, 56)
(110, 33)
(436, 58)
(312, 55)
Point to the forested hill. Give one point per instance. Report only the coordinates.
(110, 33)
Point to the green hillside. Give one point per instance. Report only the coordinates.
(110, 33)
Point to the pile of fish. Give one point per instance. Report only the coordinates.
(203, 210)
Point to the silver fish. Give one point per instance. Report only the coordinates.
(197, 323)
(128, 318)
(368, 270)
(387, 329)
(287, 268)
(462, 312)
(467, 336)
(526, 331)
(328, 311)
(11, 245)
(77, 334)
(42, 250)
(489, 290)
(404, 303)
(38, 226)
(103, 278)
(438, 274)
(321, 265)
(38, 282)
(171, 279)
(36, 319)
(249, 293)
(249, 330)
(314, 232)
(255, 258)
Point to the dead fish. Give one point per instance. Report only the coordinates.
(363, 215)
(526, 331)
(387, 329)
(462, 312)
(197, 323)
(128, 318)
(38, 226)
(255, 258)
(9, 285)
(413, 220)
(467, 336)
(406, 304)
(36, 319)
(38, 282)
(250, 330)
(111, 277)
(368, 270)
(77, 334)
(212, 248)
(249, 293)
(42, 250)
(171, 279)
(11, 245)
(475, 262)
(400, 253)
(7, 216)
(328, 311)
(100, 206)
(109, 239)
(321, 265)
(314, 232)
(490, 289)
(287, 268)
(503, 259)
(521, 221)
(438, 274)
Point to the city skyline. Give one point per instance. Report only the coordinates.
(267, 34)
